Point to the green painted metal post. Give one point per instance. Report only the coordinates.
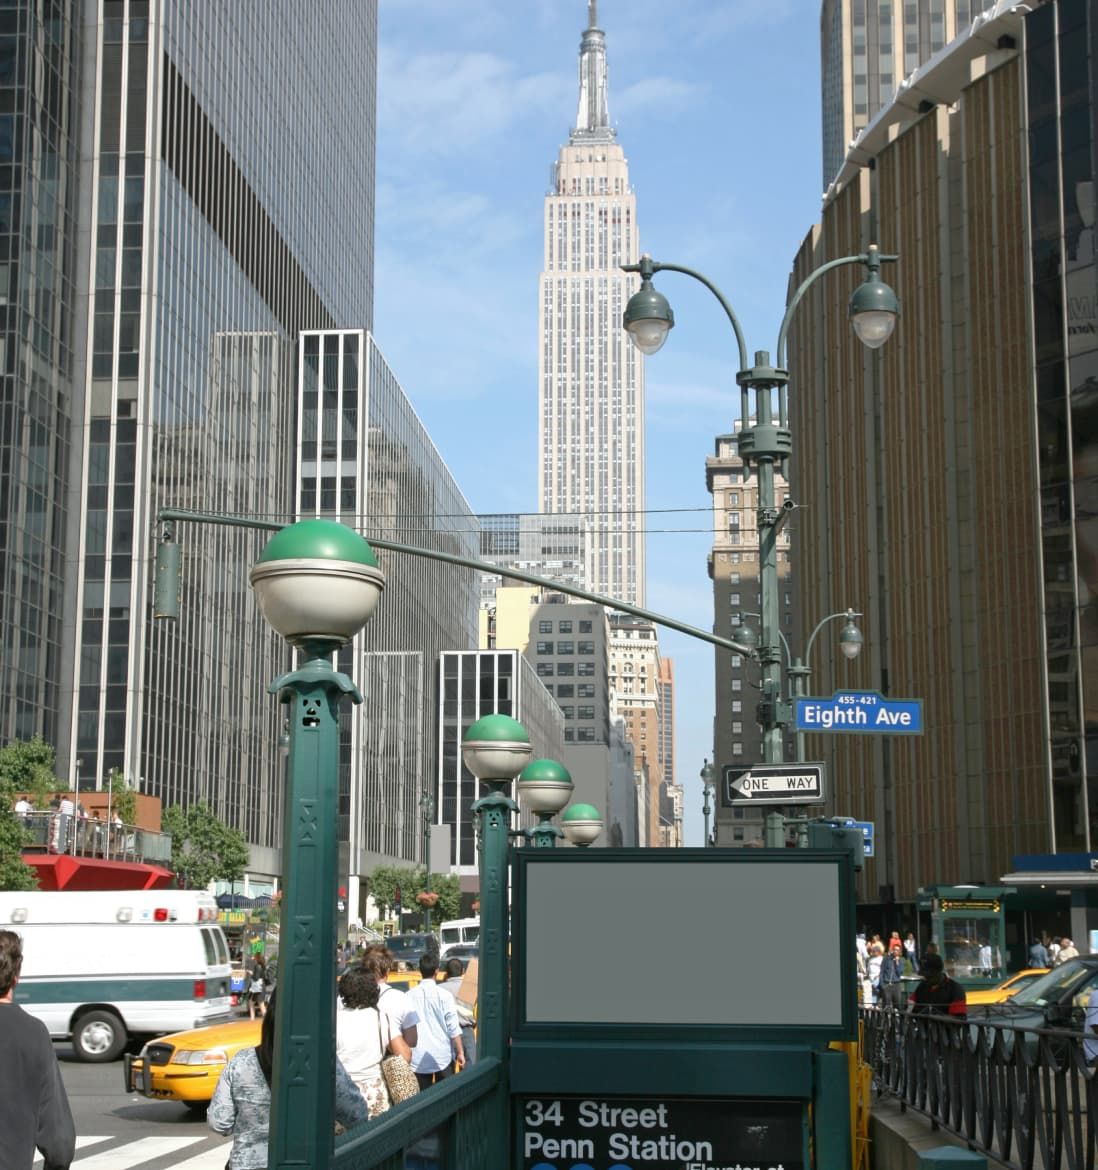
(302, 1115)
(544, 834)
(493, 813)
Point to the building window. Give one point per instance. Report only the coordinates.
(737, 727)
(585, 690)
(568, 712)
(583, 669)
(569, 735)
(585, 735)
(566, 647)
(737, 684)
(586, 648)
(737, 748)
(734, 599)
(545, 670)
(545, 627)
(589, 713)
(565, 669)
(585, 628)
(737, 834)
(545, 647)
(564, 691)
(564, 627)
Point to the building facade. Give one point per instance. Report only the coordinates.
(954, 465)
(164, 242)
(365, 460)
(868, 48)
(734, 571)
(635, 698)
(590, 377)
(471, 684)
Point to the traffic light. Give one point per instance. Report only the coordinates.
(396, 900)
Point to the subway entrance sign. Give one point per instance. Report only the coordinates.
(773, 784)
(859, 713)
(605, 1133)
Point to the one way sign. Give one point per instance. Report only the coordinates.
(773, 784)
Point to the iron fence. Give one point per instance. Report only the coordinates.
(444, 1128)
(1024, 1096)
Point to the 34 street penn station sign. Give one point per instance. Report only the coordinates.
(859, 713)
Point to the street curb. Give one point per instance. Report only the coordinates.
(896, 1138)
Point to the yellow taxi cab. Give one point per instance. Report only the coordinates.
(185, 1066)
(1003, 991)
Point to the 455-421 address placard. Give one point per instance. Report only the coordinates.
(673, 1133)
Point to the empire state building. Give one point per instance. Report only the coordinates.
(591, 378)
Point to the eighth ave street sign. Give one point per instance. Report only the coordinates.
(773, 784)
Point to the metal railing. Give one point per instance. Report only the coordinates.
(1025, 1097)
(54, 832)
(445, 1126)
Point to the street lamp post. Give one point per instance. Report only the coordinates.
(427, 803)
(317, 583)
(798, 670)
(765, 442)
(495, 749)
(544, 787)
(707, 791)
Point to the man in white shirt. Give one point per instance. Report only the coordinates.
(440, 1050)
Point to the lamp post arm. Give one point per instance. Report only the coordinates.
(167, 516)
(846, 613)
(871, 259)
(647, 266)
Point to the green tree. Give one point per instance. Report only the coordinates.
(204, 849)
(28, 766)
(123, 797)
(25, 766)
(385, 880)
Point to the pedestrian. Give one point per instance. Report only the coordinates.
(364, 1037)
(1038, 953)
(891, 976)
(873, 969)
(377, 959)
(1053, 951)
(34, 1109)
(23, 810)
(241, 1103)
(257, 986)
(65, 812)
(936, 993)
(1067, 951)
(911, 951)
(455, 974)
(440, 1050)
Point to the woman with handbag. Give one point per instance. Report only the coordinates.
(241, 1102)
(365, 1037)
(257, 986)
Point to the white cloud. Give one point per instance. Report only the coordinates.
(449, 102)
(654, 94)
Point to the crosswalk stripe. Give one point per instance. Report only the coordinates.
(83, 1140)
(135, 1153)
(211, 1159)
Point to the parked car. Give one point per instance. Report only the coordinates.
(1056, 1000)
(1007, 989)
(185, 1066)
(462, 951)
(408, 949)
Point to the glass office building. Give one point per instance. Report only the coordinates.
(185, 190)
(366, 460)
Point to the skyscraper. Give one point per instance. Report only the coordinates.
(590, 378)
(867, 48)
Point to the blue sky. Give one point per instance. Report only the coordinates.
(716, 103)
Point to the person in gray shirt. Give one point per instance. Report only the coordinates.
(34, 1110)
(241, 1102)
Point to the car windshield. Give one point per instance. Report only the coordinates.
(1052, 987)
(408, 944)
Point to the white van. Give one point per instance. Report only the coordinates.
(102, 967)
(457, 930)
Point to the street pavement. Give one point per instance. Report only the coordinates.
(116, 1130)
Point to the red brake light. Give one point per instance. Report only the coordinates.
(200, 989)
(160, 914)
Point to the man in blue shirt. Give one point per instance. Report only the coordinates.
(1038, 954)
(439, 1050)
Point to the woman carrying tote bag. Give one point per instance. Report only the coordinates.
(364, 1038)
